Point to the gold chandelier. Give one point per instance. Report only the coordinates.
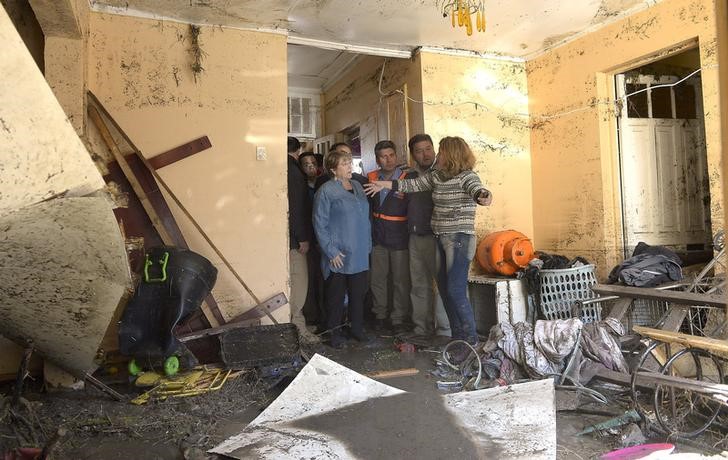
(461, 12)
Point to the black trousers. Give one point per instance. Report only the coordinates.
(338, 285)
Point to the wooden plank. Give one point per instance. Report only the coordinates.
(699, 386)
(395, 373)
(678, 297)
(704, 343)
(213, 331)
(246, 319)
(618, 378)
(263, 308)
(151, 198)
(620, 308)
(675, 316)
(179, 153)
(135, 185)
(176, 200)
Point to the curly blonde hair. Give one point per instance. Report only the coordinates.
(455, 156)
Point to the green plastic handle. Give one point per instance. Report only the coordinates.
(163, 262)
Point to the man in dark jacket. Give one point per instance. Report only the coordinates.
(300, 230)
(390, 239)
(428, 311)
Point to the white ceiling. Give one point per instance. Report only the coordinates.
(316, 68)
(515, 28)
(518, 28)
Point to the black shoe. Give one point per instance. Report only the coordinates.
(381, 325)
(337, 342)
(400, 329)
(361, 337)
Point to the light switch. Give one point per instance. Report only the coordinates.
(260, 154)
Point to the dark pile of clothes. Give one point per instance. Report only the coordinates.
(649, 266)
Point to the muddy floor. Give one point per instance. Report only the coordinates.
(184, 428)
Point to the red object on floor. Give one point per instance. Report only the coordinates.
(23, 453)
(405, 347)
(505, 252)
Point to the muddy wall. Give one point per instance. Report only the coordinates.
(142, 71)
(485, 101)
(63, 268)
(356, 98)
(573, 141)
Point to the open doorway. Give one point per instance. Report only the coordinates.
(663, 158)
(339, 96)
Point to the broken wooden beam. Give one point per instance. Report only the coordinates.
(677, 297)
(143, 186)
(179, 153)
(249, 318)
(698, 386)
(406, 372)
(693, 341)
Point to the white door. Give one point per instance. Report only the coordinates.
(665, 193)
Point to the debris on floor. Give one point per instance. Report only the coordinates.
(333, 412)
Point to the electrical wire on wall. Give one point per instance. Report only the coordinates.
(538, 118)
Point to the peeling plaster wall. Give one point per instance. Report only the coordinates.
(140, 70)
(576, 175)
(496, 130)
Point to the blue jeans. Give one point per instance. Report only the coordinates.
(455, 251)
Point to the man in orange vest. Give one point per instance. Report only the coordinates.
(390, 238)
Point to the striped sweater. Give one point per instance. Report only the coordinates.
(454, 199)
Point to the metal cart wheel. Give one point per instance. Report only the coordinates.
(682, 412)
(635, 386)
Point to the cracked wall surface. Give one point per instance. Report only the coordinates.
(576, 171)
(141, 70)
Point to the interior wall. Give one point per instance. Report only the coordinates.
(355, 97)
(23, 17)
(485, 101)
(576, 176)
(141, 71)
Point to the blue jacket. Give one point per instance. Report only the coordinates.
(341, 223)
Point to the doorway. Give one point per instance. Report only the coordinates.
(663, 157)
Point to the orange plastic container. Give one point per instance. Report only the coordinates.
(504, 252)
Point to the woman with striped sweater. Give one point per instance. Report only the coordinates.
(456, 191)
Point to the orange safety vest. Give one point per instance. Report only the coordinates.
(374, 176)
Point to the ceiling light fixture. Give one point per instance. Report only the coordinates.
(461, 11)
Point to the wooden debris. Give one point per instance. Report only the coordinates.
(406, 372)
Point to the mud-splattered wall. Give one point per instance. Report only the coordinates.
(356, 98)
(142, 71)
(485, 102)
(575, 163)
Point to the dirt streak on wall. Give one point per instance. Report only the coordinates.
(141, 70)
(485, 102)
(355, 97)
(575, 163)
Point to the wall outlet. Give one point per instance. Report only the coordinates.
(260, 154)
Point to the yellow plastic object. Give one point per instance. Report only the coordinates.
(504, 252)
(195, 382)
(147, 379)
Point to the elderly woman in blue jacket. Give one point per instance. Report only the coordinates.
(341, 223)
